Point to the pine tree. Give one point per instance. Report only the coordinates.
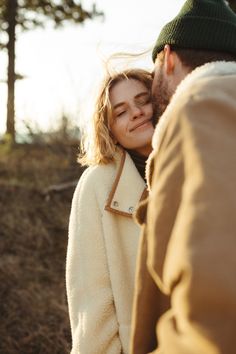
(21, 15)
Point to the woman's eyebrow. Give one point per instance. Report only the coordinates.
(141, 94)
(145, 93)
(118, 105)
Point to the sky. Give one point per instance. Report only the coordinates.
(63, 68)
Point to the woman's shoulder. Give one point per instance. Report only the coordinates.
(98, 175)
(94, 173)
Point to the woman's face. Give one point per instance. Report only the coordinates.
(132, 115)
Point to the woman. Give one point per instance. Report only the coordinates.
(103, 237)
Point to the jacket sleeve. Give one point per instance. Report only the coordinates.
(192, 228)
(91, 308)
(144, 318)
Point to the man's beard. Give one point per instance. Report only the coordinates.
(161, 97)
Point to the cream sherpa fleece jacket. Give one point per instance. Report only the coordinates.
(102, 247)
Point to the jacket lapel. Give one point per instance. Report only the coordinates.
(127, 190)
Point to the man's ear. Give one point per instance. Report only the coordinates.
(169, 60)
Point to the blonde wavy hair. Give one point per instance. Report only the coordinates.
(99, 146)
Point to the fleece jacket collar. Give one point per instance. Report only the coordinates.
(127, 189)
(208, 70)
(219, 68)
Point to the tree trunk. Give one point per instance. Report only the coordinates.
(11, 31)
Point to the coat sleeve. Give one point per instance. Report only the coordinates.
(192, 228)
(144, 318)
(91, 308)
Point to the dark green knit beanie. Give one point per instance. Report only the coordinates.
(200, 24)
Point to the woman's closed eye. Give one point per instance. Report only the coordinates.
(143, 100)
(119, 114)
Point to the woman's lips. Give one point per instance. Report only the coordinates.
(141, 124)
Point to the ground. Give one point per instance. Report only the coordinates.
(33, 240)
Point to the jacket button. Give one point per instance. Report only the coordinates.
(115, 203)
(131, 209)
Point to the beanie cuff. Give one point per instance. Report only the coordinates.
(197, 33)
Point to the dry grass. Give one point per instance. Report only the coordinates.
(33, 241)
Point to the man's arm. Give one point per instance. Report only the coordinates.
(144, 319)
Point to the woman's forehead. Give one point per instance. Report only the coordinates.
(126, 89)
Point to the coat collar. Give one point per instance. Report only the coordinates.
(127, 189)
(218, 68)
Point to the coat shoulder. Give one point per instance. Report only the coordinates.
(96, 178)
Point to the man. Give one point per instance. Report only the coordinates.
(188, 251)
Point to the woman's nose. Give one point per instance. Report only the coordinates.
(136, 112)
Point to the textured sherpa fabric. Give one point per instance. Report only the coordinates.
(101, 257)
(190, 227)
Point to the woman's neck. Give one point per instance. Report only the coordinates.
(139, 160)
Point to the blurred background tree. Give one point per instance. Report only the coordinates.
(23, 15)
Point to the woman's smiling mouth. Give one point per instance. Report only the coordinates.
(141, 124)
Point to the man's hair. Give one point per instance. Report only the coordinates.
(99, 147)
(192, 58)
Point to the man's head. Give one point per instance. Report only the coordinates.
(203, 31)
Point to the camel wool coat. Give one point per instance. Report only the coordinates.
(189, 243)
(101, 256)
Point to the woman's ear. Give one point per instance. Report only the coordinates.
(169, 60)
